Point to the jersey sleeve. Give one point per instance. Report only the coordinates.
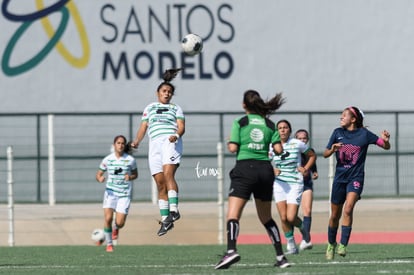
(180, 113)
(103, 166)
(145, 113)
(303, 147)
(372, 138)
(275, 137)
(235, 133)
(332, 139)
(134, 165)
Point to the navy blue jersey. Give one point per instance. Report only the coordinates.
(350, 158)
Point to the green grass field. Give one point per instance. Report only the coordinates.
(255, 259)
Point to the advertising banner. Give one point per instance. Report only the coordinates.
(109, 56)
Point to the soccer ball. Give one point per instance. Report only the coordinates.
(98, 236)
(192, 44)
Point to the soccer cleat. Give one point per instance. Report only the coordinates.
(98, 243)
(109, 248)
(173, 216)
(282, 263)
(330, 251)
(341, 250)
(305, 245)
(305, 234)
(291, 248)
(227, 260)
(165, 227)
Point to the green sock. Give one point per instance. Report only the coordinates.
(173, 200)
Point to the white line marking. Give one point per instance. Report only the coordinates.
(19, 266)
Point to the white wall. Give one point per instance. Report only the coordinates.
(323, 54)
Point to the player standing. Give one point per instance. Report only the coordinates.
(288, 183)
(307, 195)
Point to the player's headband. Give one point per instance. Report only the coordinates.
(354, 112)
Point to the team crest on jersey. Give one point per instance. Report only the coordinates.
(118, 171)
(256, 135)
(162, 110)
(284, 155)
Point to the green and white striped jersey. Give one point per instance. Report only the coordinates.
(116, 170)
(289, 161)
(162, 119)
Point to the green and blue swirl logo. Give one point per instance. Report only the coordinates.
(66, 8)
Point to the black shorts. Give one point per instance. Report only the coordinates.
(308, 184)
(252, 177)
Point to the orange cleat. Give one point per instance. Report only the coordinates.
(109, 248)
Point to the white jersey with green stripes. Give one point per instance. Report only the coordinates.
(289, 161)
(162, 119)
(116, 169)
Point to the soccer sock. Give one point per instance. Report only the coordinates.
(332, 234)
(232, 234)
(164, 209)
(345, 234)
(300, 225)
(307, 221)
(108, 235)
(273, 232)
(173, 200)
(289, 237)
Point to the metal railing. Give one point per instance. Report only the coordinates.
(83, 139)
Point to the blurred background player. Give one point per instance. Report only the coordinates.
(166, 126)
(121, 169)
(288, 183)
(307, 195)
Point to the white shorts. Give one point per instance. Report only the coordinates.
(162, 151)
(291, 193)
(119, 204)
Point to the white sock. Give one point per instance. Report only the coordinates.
(108, 237)
(291, 241)
(280, 257)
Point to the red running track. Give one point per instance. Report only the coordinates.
(356, 238)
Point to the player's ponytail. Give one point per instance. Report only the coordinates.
(128, 148)
(275, 103)
(168, 76)
(256, 105)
